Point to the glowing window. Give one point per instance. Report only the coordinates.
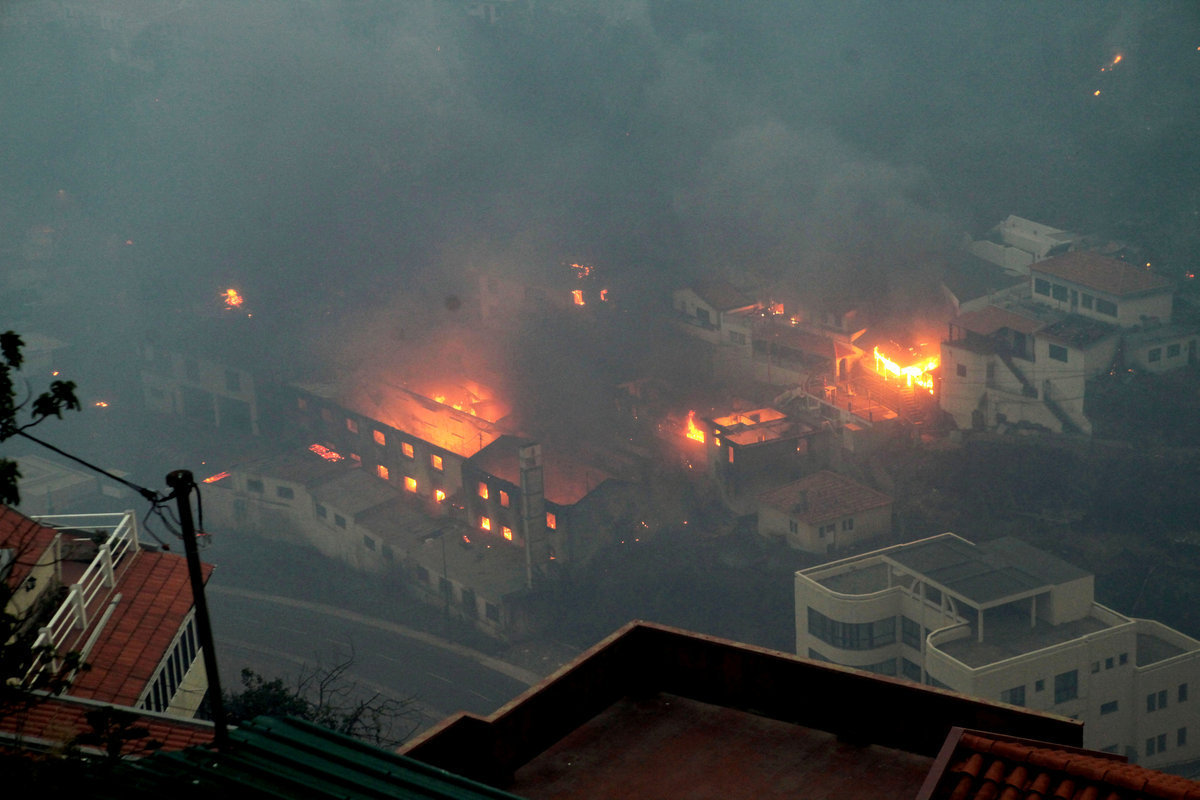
(507, 531)
(483, 490)
(504, 498)
(485, 523)
(435, 461)
(577, 296)
(381, 471)
(731, 455)
(379, 437)
(406, 448)
(551, 521)
(439, 495)
(410, 483)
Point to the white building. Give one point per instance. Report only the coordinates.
(715, 311)
(1106, 289)
(824, 512)
(1005, 621)
(1016, 243)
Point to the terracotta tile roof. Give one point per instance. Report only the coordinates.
(721, 295)
(823, 496)
(156, 597)
(27, 538)
(987, 321)
(978, 766)
(1108, 275)
(53, 720)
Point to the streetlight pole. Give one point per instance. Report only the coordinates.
(182, 483)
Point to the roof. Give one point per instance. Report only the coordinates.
(823, 496)
(1101, 273)
(721, 295)
(275, 757)
(26, 538)
(975, 765)
(566, 479)
(678, 714)
(50, 721)
(985, 572)
(155, 599)
(989, 320)
(802, 341)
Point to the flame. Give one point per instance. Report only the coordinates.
(577, 296)
(604, 295)
(581, 270)
(439, 495)
(692, 432)
(232, 299)
(1116, 60)
(220, 476)
(917, 373)
(100, 404)
(325, 453)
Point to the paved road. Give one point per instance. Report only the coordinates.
(283, 636)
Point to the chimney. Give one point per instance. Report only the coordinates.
(533, 511)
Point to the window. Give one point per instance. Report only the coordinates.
(388, 553)
(1108, 708)
(439, 495)
(793, 526)
(1039, 685)
(285, 492)
(485, 523)
(368, 542)
(1058, 353)
(407, 449)
(1095, 666)
(410, 483)
(322, 512)
(1183, 693)
(551, 521)
(379, 438)
(1156, 701)
(339, 520)
(507, 531)
(1058, 292)
(737, 338)
(253, 485)
(483, 490)
(1066, 686)
(351, 425)
(1108, 663)
(1041, 286)
(848, 524)
(824, 529)
(435, 461)
(910, 670)
(852, 635)
(887, 667)
(1150, 746)
(422, 574)
(731, 455)
(503, 498)
(1087, 300)
(1173, 351)
(910, 633)
(1106, 307)
(381, 471)
(1123, 659)
(960, 370)
(1181, 737)
(1155, 354)
(1014, 696)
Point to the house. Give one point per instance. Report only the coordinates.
(1004, 621)
(85, 584)
(1091, 285)
(824, 512)
(654, 711)
(715, 311)
(209, 390)
(1016, 243)
(1161, 348)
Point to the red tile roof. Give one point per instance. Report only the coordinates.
(987, 321)
(53, 720)
(984, 766)
(823, 496)
(156, 598)
(27, 538)
(1108, 275)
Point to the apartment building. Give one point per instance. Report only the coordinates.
(1007, 622)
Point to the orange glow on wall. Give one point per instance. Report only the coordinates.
(381, 471)
(504, 498)
(485, 523)
(507, 531)
(410, 483)
(551, 521)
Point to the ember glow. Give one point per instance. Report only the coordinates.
(916, 373)
(100, 404)
(325, 453)
(577, 296)
(220, 476)
(1109, 66)
(694, 433)
(232, 299)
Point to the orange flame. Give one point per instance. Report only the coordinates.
(232, 298)
(917, 373)
(220, 476)
(325, 453)
(577, 296)
(692, 432)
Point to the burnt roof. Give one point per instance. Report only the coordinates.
(823, 496)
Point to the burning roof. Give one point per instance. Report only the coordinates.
(567, 480)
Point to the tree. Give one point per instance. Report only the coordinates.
(18, 415)
(327, 697)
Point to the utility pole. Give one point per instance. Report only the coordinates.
(182, 483)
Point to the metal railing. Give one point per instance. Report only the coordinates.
(87, 596)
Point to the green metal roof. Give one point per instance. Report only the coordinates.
(276, 757)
